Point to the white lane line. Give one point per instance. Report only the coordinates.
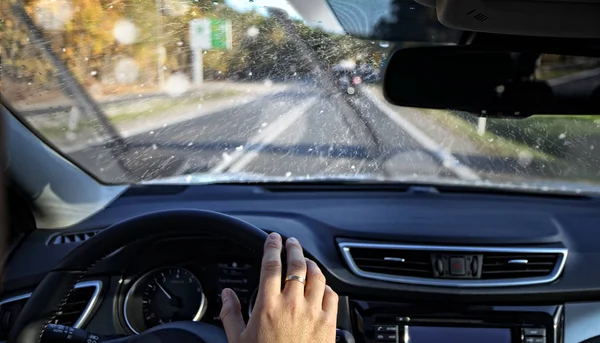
(240, 159)
(448, 160)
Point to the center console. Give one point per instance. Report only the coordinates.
(382, 322)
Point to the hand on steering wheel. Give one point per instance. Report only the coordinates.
(305, 311)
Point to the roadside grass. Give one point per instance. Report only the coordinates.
(156, 107)
(123, 114)
(488, 143)
(557, 135)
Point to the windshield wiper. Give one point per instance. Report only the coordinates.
(324, 76)
(117, 144)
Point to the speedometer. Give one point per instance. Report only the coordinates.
(162, 296)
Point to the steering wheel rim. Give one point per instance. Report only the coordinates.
(53, 291)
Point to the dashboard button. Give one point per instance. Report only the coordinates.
(385, 328)
(534, 340)
(386, 337)
(541, 332)
(457, 266)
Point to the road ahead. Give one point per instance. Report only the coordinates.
(294, 133)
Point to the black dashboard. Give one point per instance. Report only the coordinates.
(323, 216)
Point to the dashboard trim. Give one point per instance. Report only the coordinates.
(87, 311)
(557, 323)
(553, 276)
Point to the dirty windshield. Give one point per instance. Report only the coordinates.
(197, 91)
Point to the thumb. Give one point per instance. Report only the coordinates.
(231, 315)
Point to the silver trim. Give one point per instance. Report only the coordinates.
(87, 311)
(394, 259)
(554, 275)
(197, 317)
(518, 261)
(556, 323)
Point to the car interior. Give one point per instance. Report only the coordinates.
(412, 261)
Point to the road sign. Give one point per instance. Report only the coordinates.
(200, 37)
(220, 34)
(208, 34)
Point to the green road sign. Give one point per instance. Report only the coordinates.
(210, 34)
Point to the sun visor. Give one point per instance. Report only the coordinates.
(546, 18)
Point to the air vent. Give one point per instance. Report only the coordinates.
(497, 265)
(394, 262)
(75, 313)
(77, 237)
(454, 266)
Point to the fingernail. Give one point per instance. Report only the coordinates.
(292, 240)
(329, 289)
(225, 294)
(274, 236)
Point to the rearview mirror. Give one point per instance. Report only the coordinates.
(493, 83)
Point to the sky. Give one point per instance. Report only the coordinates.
(259, 5)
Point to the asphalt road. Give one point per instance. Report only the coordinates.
(295, 133)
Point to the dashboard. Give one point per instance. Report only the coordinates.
(170, 277)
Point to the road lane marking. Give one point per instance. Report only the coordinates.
(448, 160)
(240, 159)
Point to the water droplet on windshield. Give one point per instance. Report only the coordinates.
(151, 132)
(177, 84)
(226, 157)
(263, 125)
(239, 148)
(384, 44)
(125, 32)
(53, 14)
(288, 174)
(154, 147)
(562, 136)
(525, 158)
(126, 70)
(252, 31)
(190, 143)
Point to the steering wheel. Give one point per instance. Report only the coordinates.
(52, 293)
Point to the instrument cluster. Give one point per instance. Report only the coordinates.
(187, 285)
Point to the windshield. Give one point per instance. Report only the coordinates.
(194, 91)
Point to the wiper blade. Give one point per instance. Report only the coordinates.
(117, 144)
